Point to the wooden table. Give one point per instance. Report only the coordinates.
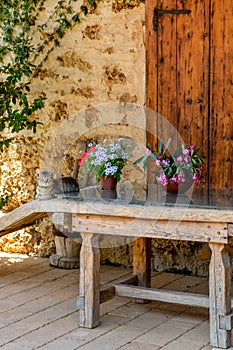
(143, 221)
(208, 220)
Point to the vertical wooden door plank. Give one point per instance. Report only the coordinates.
(151, 55)
(167, 73)
(220, 294)
(151, 73)
(221, 111)
(151, 89)
(193, 73)
(189, 79)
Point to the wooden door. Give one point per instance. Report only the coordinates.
(189, 77)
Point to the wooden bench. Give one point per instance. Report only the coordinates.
(141, 221)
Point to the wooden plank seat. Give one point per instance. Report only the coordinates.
(142, 222)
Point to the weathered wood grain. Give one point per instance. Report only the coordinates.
(192, 40)
(124, 226)
(142, 221)
(220, 294)
(166, 82)
(163, 295)
(10, 223)
(89, 289)
(142, 261)
(151, 67)
(30, 212)
(189, 80)
(107, 291)
(221, 94)
(145, 210)
(230, 230)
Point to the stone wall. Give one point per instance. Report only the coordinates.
(101, 61)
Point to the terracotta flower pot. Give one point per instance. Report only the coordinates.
(108, 187)
(175, 188)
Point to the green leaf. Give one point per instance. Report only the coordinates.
(76, 18)
(3, 201)
(167, 145)
(143, 159)
(160, 146)
(14, 99)
(84, 9)
(18, 50)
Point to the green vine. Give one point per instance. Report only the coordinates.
(21, 55)
(3, 201)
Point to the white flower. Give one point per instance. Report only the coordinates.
(107, 171)
(112, 156)
(111, 170)
(124, 155)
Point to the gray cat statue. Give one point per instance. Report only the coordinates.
(48, 187)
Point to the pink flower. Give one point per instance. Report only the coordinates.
(163, 179)
(179, 159)
(181, 178)
(187, 159)
(186, 151)
(83, 157)
(148, 152)
(192, 148)
(196, 179)
(174, 179)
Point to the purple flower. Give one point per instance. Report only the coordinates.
(178, 166)
(165, 162)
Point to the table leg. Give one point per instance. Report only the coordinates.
(220, 296)
(89, 296)
(142, 261)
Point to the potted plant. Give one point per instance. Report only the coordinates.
(177, 170)
(106, 161)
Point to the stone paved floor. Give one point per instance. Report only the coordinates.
(37, 311)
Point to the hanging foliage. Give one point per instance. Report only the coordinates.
(20, 55)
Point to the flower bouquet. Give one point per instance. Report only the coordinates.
(181, 168)
(106, 161)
